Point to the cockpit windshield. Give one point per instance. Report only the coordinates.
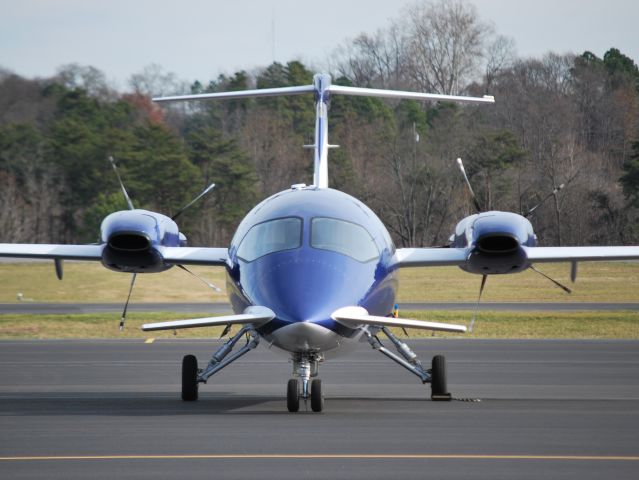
(343, 237)
(269, 237)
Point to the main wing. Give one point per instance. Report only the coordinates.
(436, 257)
(194, 255)
(170, 255)
(51, 251)
(580, 254)
(430, 257)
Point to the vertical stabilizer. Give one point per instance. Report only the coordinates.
(322, 84)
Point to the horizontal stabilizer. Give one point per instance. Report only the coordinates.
(376, 92)
(255, 315)
(262, 92)
(333, 89)
(355, 316)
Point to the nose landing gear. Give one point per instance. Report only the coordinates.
(305, 366)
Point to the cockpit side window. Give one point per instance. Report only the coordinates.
(343, 237)
(271, 236)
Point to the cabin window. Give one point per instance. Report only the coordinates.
(343, 237)
(269, 237)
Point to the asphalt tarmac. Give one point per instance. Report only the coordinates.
(77, 409)
(222, 308)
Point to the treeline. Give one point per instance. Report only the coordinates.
(561, 119)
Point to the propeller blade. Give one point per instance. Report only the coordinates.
(563, 287)
(470, 188)
(204, 192)
(481, 290)
(126, 195)
(126, 305)
(208, 284)
(554, 192)
(226, 330)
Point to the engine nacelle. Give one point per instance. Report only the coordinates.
(495, 240)
(132, 238)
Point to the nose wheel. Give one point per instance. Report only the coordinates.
(305, 368)
(293, 395)
(317, 397)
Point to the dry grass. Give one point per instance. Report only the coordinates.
(596, 282)
(99, 325)
(578, 325)
(90, 282)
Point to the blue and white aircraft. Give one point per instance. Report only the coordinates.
(312, 270)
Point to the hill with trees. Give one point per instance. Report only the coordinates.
(571, 119)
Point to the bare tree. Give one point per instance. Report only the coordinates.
(376, 60)
(154, 80)
(447, 43)
(89, 78)
(500, 55)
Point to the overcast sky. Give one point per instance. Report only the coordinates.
(200, 39)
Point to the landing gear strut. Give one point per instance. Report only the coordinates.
(436, 375)
(305, 366)
(192, 375)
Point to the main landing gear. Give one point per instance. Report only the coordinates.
(305, 366)
(436, 375)
(192, 375)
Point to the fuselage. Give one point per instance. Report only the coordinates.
(304, 253)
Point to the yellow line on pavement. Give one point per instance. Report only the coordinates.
(329, 456)
(149, 340)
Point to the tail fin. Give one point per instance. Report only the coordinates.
(322, 88)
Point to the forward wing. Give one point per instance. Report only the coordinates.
(254, 315)
(354, 317)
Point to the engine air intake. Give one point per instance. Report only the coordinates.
(497, 243)
(129, 242)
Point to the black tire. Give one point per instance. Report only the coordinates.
(439, 389)
(317, 398)
(293, 395)
(189, 378)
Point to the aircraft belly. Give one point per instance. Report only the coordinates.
(305, 337)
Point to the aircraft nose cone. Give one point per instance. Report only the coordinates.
(307, 289)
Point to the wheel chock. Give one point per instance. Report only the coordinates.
(446, 397)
